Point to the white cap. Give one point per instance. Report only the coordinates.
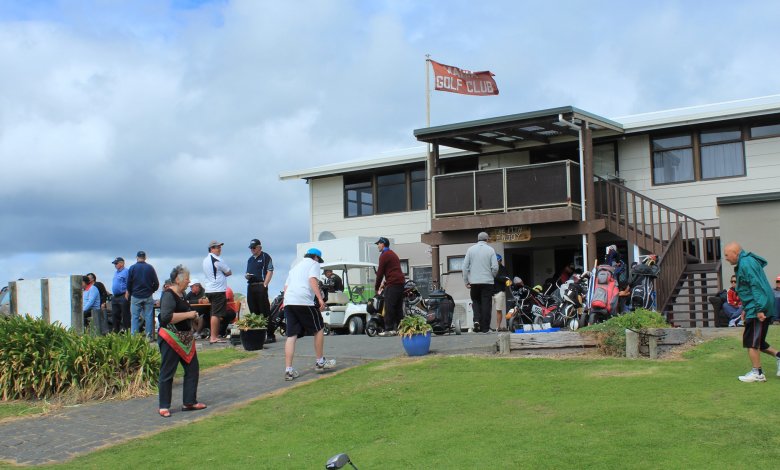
(194, 281)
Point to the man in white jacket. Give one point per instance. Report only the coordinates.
(479, 273)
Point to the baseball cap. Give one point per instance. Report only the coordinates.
(778, 279)
(214, 243)
(315, 252)
(254, 243)
(117, 260)
(482, 237)
(141, 254)
(194, 281)
(499, 257)
(383, 241)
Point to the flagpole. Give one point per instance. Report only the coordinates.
(435, 267)
(427, 93)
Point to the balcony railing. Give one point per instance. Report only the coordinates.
(507, 189)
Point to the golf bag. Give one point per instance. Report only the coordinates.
(441, 307)
(375, 309)
(643, 286)
(276, 319)
(604, 296)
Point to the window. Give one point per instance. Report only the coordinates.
(391, 193)
(722, 154)
(704, 155)
(419, 191)
(673, 159)
(769, 130)
(405, 267)
(400, 191)
(455, 263)
(359, 197)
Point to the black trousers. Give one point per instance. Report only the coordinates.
(257, 299)
(394, 306)
(482, 303)
(168, 364)
(120, 313)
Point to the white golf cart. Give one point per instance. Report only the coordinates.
(347, 309)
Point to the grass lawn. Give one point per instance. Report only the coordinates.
(474, 412)
(209, 358)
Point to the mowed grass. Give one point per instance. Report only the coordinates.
(207, 359)
(475, 412)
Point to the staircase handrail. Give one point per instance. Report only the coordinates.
(672, 263)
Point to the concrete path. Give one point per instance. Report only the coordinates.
(73, 431)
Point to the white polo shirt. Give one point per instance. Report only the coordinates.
(214, 272)
(298, 289)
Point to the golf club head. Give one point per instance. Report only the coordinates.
(337, 461)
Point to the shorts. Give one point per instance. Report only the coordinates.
(755, 332)
(302, 320)
(499, 302)
(218, 304)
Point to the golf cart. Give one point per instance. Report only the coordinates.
(347, 309)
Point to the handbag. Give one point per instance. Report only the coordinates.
(183, 342)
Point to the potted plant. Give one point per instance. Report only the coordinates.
(415, 335)
(253, 331)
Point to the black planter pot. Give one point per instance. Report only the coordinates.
(252, 340)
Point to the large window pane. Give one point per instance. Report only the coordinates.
(718, 161)
(673, 166)
(391, 193)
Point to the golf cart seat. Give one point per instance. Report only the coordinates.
(337, 298)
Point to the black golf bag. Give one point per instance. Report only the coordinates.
(441, 307)
(643, 286)
(276, 319)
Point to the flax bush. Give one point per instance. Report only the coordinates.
(40, 361)
(611, 334)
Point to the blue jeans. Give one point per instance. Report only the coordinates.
(732, 311)
(139, 307)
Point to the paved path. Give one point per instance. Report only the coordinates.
(72, 431)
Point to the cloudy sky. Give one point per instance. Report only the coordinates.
(163, 124)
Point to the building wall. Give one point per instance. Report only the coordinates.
(327, 214)
(697, 199)
(752, 225)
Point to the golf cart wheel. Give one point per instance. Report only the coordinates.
(326, 330)
(574, 324)
(458, 329)
(355, 325)
(515, 324)
(584, 320)
(282, 329)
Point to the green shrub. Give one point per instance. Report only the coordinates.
(40, 360)
(611, 334)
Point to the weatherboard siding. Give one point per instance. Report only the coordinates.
(697, 199)
(328, 215)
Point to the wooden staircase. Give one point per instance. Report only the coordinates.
(686, 279)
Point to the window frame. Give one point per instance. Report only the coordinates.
(696, 147)
(454, 257)
(405, 263)
(749, 133)
(372, 177)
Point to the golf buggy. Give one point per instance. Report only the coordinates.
(346, 310)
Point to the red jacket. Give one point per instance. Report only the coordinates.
(732, 298)
(390, 269)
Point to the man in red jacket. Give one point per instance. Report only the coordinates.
(390, 270)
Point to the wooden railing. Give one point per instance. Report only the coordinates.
(672, 263)
(643, 221)
(711, 240)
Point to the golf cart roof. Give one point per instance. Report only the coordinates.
(347, 265)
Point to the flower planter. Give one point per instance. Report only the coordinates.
(252, 340)
(417, 345)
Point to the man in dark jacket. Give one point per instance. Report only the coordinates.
(389, 270)
(142, 282)
(758, 303)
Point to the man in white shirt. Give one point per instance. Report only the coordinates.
(215, 273)
(303, 313)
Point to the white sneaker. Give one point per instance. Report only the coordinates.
(752, 377)
(327, 364)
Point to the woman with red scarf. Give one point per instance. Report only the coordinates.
(177, 344)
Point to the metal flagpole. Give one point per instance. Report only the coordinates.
(427, 94)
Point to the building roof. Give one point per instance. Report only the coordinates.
(517, 130)
(748, 198)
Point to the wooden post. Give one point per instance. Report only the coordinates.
(435, 267)
(13, 301)
(45, 315)
(76, 305)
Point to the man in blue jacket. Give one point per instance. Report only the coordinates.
(758, 304)
(142, 282)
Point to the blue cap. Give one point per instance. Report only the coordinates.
(315, 252)
(498, 257)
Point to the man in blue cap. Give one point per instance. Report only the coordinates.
(390, 281)
(301, 289)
